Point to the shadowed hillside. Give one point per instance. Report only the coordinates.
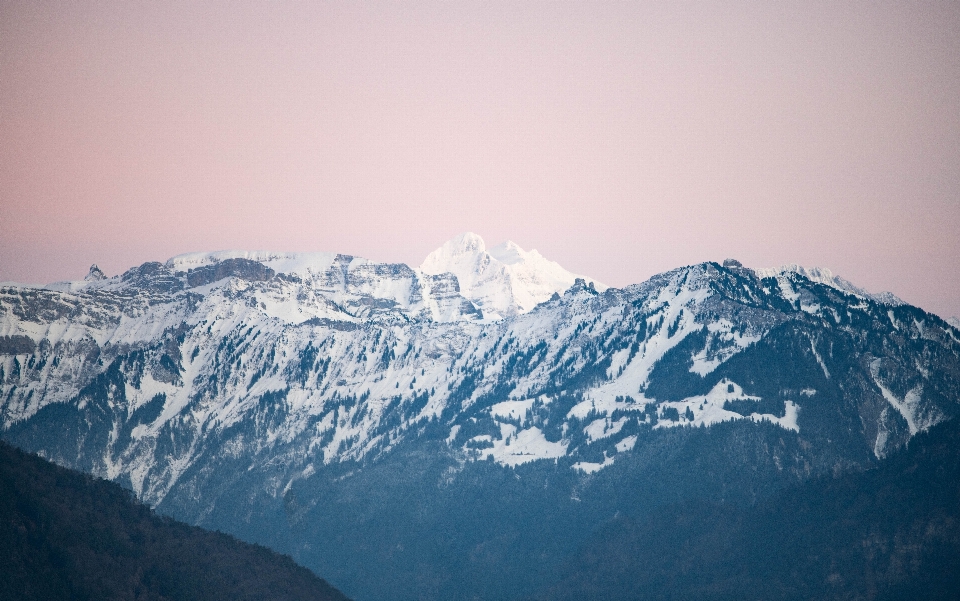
(889, 533)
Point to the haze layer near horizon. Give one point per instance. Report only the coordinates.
(618, 139)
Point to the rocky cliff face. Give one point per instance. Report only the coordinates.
(285, 397)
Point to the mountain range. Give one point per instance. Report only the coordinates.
(460, 429)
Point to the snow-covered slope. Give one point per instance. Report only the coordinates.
(504, 280)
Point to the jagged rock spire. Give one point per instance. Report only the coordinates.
(95, 274)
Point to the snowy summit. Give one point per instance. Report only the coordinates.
(504, 280)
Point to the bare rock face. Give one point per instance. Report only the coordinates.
(153, 277)
(95, 274)
(451, 305)
(246, 269)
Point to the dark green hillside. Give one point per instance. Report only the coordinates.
(65, 535)
(889, 533)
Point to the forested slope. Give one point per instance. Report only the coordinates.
(892, 532)
(65, 535)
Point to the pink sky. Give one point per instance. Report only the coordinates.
(619, 139)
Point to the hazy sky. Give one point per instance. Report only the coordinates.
(619, 139)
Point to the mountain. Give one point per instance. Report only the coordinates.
(65, 535)
(504, 281)
(372, 418)
(892, 532)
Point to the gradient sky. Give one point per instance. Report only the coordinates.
(619, 139)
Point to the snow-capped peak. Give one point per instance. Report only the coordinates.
(505, 280)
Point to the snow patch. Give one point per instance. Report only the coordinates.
(603, 428)
(516, 448)
(709, 409)
(908, 406)
(627, 444)
(512, 409)
(589, 468)
(823, 366)
(712, 354)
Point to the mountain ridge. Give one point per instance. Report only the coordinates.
(466, 257)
